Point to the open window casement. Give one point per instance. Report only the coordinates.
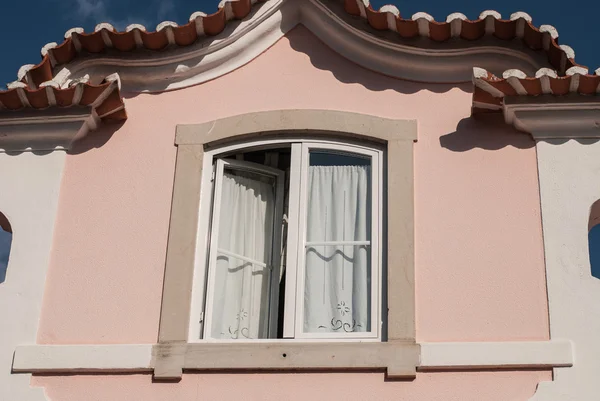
(244, 251)
(294, 244)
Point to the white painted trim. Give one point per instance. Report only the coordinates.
(546, 118)
(295, 270)
(198, 297)
(37, 117)
(434, 356)
(473, 356)
(53, 127)
(83, 358)
(289, 305)
(242, 41)
(568, 182)
(29, 199)
(45, 130)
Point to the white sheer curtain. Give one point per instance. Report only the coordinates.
(241, 292)
(337, 277)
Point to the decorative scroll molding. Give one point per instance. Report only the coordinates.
(545, 117)
(206, 356)
(210, 58)
(424, 60)
(243, 41)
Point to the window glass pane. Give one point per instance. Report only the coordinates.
(243, 267)
(337, 291)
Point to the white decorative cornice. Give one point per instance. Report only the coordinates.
(45, 130)
(242, 41)
(547, 118)
(238, 44)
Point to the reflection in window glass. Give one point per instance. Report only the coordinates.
(337, 292)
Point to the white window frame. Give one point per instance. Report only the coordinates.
(201, 305)
(278, 175)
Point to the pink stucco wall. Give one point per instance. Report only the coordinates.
(479, 259)
(476, 386)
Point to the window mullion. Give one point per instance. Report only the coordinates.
(216, 213)
(275, 257)
(293, 242)
(300, 260)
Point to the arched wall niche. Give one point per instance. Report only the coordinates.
(5, 245)
(594, 239)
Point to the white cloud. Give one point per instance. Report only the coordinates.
(84, 12)
(95, 9)
(121, 24)
(166, 9)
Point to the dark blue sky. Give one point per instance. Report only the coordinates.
(28, 25)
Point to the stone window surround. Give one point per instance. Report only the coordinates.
(399, 355)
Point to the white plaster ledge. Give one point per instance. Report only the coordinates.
(434, 356)
(496, 355)
(83, 358)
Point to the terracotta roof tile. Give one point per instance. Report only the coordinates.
(457, 25)
(35, 88)
(105, 98)
(64, 97)
(64, 52)
(10, 100)
(546, 82)
(104, 37)
(387, 17)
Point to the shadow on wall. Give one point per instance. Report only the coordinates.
(488, 132)
(95, 139)
(324, 58)
(560, 141)
(5, 244)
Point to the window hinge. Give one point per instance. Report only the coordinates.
(201, 317)
(212, 176)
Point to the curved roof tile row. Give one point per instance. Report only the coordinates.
(105, 36)
(490, 90)
(457, 25)
(104, 98)
(35, 88)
